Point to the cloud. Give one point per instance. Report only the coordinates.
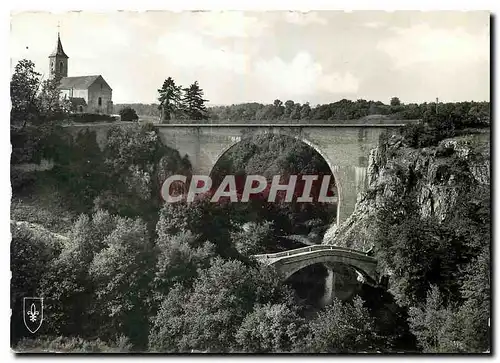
(300, 18)
(227, 24)
(373, 24)
(260, 56)
(421, 43)
(190, 51)
(302, 76)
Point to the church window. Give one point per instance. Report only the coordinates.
(61, 65)
(99, 101)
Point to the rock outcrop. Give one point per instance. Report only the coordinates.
(434, 177)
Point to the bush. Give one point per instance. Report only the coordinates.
(255, 238)
(20, 179)
(271, 328)
(128, 114)
(72, 345)
(178, 262)
(207, 316)
(91, 117)
(342, 328)
(422, 134)
(442, 329)
(31, 253)
(121, 274)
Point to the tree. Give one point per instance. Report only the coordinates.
(305, 111)
(208, 316)
(271, 328)
(170, 99)
(79, 171)
(128, 114)
(36, 108)
(206, 220)
(443, 329)
(31, 251)
(121, 274)
(136, 161)
(221, 298)
(289, 106)
(279, 109)
(66, 285)
(178, 261)
(193, 102)
(254, 238)
(169, 326)
(395, 101)
(296, 112)
(24, 88)
(342, 328)
(51, 106)
(427, 323)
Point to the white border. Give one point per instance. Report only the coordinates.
(100, 5)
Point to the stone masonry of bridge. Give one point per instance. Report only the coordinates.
(344, 267)
(345, 147)
(289, 262)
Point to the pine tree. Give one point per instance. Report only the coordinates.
(170, 99)
(194, 104)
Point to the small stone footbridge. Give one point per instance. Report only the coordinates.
(289, 262)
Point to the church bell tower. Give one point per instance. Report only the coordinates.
(58, 61)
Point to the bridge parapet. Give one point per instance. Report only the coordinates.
(289, 262)
(296, 251)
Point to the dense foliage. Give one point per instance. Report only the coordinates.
(440, 268)
(193, 103)
(181, 103)
(150, 110)
(271, 155)
(133, 274)
(35, 112)
(128, 114)
(90, 117)
(448, 122)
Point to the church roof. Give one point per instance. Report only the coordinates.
(82, 82)
(59, 51)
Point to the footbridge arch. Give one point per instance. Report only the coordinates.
(289, 262)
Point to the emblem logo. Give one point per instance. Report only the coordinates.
(33, 313)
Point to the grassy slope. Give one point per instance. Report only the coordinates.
(41, 203)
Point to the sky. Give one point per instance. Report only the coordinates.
(317, 57)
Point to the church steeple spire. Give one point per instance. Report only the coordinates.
(58, 60)
(59, 51)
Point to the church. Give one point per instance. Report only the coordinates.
(89, 94)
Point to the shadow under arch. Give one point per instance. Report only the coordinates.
(300, 138)
(342, 268)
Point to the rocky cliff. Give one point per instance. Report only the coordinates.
(434, 177)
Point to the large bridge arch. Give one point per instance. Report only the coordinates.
(236, 140)
(344, 146)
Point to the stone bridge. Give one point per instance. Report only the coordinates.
(344, 146)
(289, 262)
(346, 268)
